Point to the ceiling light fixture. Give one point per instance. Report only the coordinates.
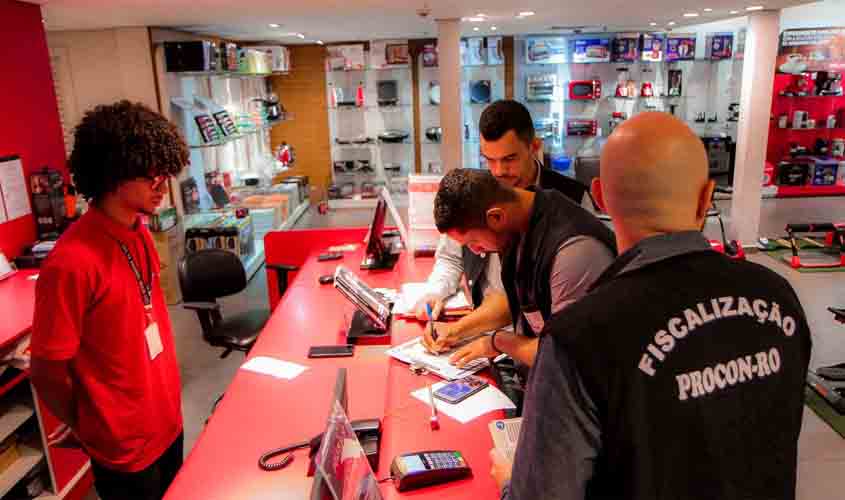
(691, 14)
(481, 14)
(734, 12)
(708, 10)
(300, 35)
(319, 42)
(493, 28)
(525, 13)
(754, 7)
(476, 19)
(670, 23)
(475, 29)
(274, 25)
(652, 24)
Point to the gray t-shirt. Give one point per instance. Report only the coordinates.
(579, 262)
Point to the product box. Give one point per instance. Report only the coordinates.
(626, 47)
(794, 173)
(824, 172)
(345, 57)
(680, 47)
(590, 50)
(473, 52)
(721, 46)
(224, 231)
(495, 52)
(429, 55)
(279, 57)
(545, 50)
(653, 47)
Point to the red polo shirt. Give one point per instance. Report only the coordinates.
(89, 311)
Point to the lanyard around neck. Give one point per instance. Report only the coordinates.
(146, 287)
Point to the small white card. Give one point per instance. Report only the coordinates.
(274, 367)
(153, 340)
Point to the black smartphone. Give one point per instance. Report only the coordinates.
(458, 390)
(329, 256)
(331, 351)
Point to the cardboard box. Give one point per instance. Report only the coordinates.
(169, 247)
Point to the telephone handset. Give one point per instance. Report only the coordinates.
(367, 430)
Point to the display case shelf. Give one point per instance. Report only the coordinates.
(29, 458)
(809, 191)
(240, 135)
(810, 96)
(227, 74)
(390, 108)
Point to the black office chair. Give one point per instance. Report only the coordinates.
(210, 274)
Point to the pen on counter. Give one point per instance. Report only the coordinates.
(431, 322)
(434, 422)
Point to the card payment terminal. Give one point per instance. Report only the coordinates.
(425, 468)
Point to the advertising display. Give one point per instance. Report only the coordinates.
(626, 47)
(590, 50)
(721, 46)
(653, 47)
(817, 49)
(680, 47)
(545, 50)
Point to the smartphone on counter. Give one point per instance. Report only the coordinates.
(331, 351)
(458, 390)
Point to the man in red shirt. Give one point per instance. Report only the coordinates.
(103, 359)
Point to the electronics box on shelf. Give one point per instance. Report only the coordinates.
(279, 57)
(221, 230)
(824, 172)
(795, 172)
(189, 56)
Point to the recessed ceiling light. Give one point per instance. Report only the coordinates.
(671, 23)
(734, 12)
(319, 42)
(526, 13)
(493, 28)
(691, 14)
(708, 10)
(274, 25)
(652, 24)
(300, 35)
(481, 14)
(475, 29)
(754, 7)
(476, 19)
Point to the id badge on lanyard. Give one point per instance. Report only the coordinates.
(151, 332)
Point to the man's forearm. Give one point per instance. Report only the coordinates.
(492, 314)
(55, 389)
(518, 347)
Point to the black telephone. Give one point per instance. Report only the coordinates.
(425, 468)
(367, 430)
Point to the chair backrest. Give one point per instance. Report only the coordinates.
(209, 274)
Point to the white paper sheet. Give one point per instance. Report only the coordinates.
(13, 189)
(488, 399)
(414, 352)
(414, 292)
(274, 367)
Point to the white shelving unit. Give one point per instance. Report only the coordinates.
(359, 169)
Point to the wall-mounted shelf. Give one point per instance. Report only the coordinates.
(240, 135)
(227, 74)
(809, 96)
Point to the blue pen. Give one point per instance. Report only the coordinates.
(430, 321)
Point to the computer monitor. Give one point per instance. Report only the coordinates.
(342, 465)
(380, 254)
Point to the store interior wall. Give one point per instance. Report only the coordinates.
(303, 93)
(31, 128)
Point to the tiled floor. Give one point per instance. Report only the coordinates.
(821, 451)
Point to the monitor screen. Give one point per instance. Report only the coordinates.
(375, 246)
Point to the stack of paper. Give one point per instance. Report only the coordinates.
(413, 352)
(412, 293)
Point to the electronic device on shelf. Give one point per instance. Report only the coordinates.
(434, 134)
(828, 83)
(581, 127)
(387, 92)
(585, 89)
(426, 468)
(541, 87)
(393, 136)
(794, 172)
(480, 91)
(190, 56)
(546, 128)
(719, 155)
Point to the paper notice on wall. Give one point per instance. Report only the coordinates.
(421, 192)
(13, 193)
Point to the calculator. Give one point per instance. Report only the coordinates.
(426, 468)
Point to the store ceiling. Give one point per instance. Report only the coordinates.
(342, 20)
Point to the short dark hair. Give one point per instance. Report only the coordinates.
(123, 141)
(464, 197)
(505, 115)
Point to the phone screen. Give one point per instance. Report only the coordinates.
(330, 351)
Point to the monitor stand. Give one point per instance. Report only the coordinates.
(388, 258)
(363, 331)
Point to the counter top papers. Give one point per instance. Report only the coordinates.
(274, 367)
(484, 401)
(505, 435)
(413, 352)
(456, 305)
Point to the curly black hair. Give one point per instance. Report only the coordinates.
(119, 142)
(464, 196)
(504, 115)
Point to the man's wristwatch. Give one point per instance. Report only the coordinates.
(493, 342)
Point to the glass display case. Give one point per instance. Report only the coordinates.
(371, 122)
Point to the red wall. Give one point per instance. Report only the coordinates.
(30, 126)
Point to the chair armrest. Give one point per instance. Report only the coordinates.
(202, 306)
(282, 267)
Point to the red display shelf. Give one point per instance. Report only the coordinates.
(809, 191)
(810, 96)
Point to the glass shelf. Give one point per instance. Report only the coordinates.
(397, 107)
(385, 68)
(476, 66)
(628, 63)
(240, 135)
(809, 96)
(228, 74)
